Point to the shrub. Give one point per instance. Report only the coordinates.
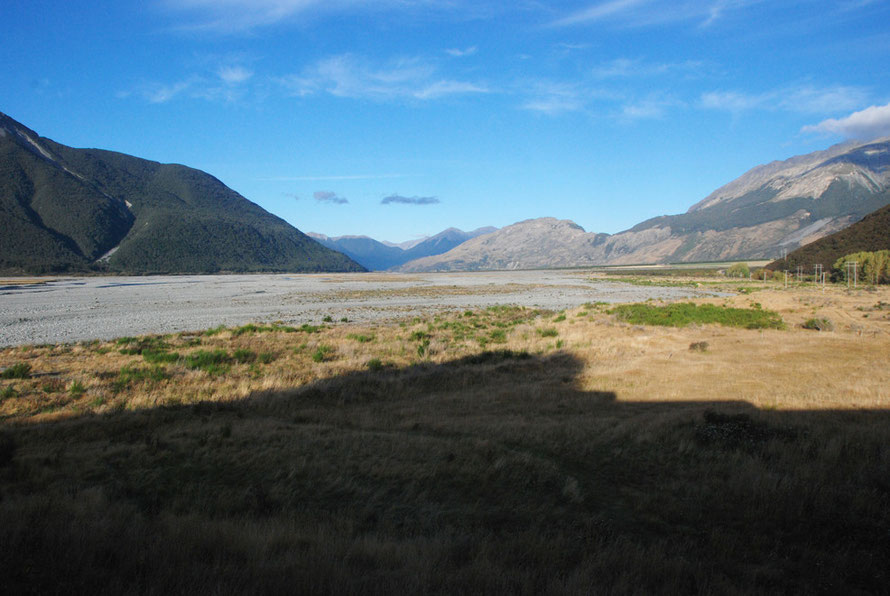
(738, 270)
(7, 392)
(698, 346)
(76, 389)
(362, 339)
(818, 324)
(21, 370)
(265, 357)
(323, 353)
(547, 332)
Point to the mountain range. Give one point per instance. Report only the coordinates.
(90, 210)
(780, 205)
(376, 255)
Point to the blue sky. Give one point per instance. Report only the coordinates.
(399, 118)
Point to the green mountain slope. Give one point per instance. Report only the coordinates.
(78, 210)
(870, 234)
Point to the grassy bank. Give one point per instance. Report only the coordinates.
(504, 450)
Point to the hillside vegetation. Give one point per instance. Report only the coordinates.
(83, 210)
(505, 450)
(870, 234)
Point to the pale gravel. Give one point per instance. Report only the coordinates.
(63, 310)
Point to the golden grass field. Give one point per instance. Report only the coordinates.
(499, 450)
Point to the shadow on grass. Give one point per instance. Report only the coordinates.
(490, 474)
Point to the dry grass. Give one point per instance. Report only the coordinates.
(463, 453)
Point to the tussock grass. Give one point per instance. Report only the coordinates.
(20, 370)
(621, 462)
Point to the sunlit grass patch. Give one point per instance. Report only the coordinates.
(680, 314)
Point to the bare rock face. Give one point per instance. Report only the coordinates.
(780, 205)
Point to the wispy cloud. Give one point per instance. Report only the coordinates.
(234, 75)
(635, 67)
(650, 108)
(870, 123)
(326, 196)
(237, 16)
(334, 177)
(227, 82)
(409, 200)
(645, 13)
(348, 75)
(553, 97)
(558, 97)
(802, 99)
(460, 53)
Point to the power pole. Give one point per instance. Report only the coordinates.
(852, 265)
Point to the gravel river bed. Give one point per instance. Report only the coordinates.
(69, 309)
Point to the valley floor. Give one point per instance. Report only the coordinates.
(56, 310)
(480, 450)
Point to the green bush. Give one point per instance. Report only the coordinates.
(738, 270)
(818, 324)
(323, 353)
(547, 332)
(21, 370)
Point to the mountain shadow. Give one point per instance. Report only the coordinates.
(495, 473)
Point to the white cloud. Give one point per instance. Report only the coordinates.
(870, 123)
(233, 75)
(162, 93)
(647, 109)
(460, 53)
(351, 76)
(235, 16)
(550, 97)
(645, 13)
(634, 67)
(804, 99)
(598, 12)
(441, 88)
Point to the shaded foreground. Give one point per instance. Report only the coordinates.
(559, 462)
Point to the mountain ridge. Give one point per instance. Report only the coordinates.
(781, 205)
(92, 210)
(378, 255)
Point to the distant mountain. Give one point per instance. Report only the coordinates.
(79, 210)
(535, 243)
(369, 253)
(870, 234)
(379, 256)
(779, 205)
